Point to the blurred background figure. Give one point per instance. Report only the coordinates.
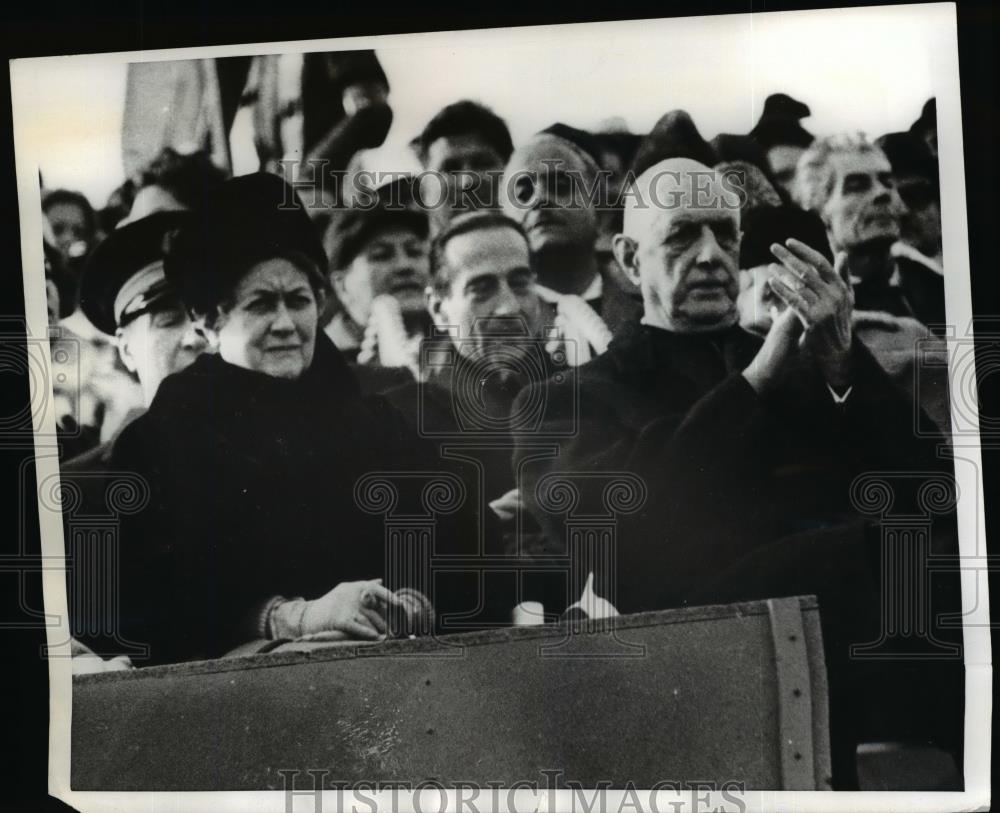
(380, 270)
(915, 173)
(925, 127)
(674, 135)
(782, 136)
(464, 148)
(174, 182)
(742, 160)
(74, 226)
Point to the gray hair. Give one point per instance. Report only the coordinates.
(814, 176)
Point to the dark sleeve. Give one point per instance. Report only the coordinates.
(606, 434)
(189, 584)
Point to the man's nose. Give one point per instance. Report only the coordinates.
(709, 250)
(506, 303)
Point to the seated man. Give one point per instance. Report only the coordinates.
(125, 294)
(548, 188)
(489, 319)
(740, 441)
(490, 344)
(848, 182)
(709, 414)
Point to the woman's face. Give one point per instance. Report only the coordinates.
(271, 324)
(395, 261)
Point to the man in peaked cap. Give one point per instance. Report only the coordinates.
(125, 294)
(782, 137)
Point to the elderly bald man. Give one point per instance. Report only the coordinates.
(550, 188)
(742, 442)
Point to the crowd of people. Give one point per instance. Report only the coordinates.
(731, 328)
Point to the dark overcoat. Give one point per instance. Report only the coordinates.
(252, 494)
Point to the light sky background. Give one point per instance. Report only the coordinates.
(868, 68)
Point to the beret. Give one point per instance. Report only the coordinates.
(774, 224)
(248, 219)
(118, 257)
(909, 155)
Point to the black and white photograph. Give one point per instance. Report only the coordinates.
(563, 417)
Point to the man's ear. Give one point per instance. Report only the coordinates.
(208, 328)
(625, 251)
(125, 351)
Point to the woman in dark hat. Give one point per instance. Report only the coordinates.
(252, 454)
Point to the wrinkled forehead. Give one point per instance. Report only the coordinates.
(854, 162)
(273, 275)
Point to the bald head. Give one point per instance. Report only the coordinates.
(680, 244)
(677, 185)
(545, 189)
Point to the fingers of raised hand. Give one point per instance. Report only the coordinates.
(794, 296)
(812, 258)
(795, 266)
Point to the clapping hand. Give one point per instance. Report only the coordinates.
(823, 301)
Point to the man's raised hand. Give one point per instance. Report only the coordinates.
(817, 293)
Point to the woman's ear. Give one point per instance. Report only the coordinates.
(625, 251)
